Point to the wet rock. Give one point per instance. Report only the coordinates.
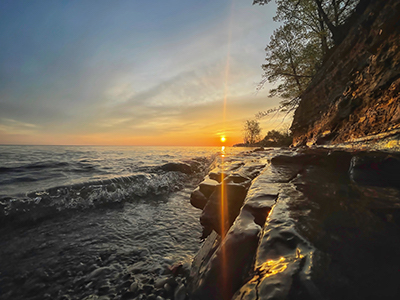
(207, 186)
(224, 272)
(225, 169)
(220, 273)
(207, 249)
(148, 287)
(218, 175)
(151, 297)
(313, 156)
(239, 179)
(177, 167)
(161, 282)
(168, 289)
(282, 255)
(251, 169)
(376, 170)
(180, 293)
(134, 287)
(218, 217)
(159, 292)
(205, 233)
(197, 199)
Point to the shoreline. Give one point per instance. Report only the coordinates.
(312, 224)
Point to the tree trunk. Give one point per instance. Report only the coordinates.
(324, 43)
(296, 77)
(337, 34)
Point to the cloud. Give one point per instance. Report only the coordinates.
(15, 127)
(13, 131)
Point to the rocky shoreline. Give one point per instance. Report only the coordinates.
(299, 224)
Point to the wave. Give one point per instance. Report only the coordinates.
(158, 181)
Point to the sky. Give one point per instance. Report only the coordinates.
(177, 72)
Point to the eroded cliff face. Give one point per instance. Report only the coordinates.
(357, 91)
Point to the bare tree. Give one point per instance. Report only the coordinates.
(252, 131)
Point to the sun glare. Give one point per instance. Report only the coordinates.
(223, 139)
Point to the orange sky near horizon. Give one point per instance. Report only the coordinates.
(185, 138)
(200, 126)
(208, 136)
(103, 140)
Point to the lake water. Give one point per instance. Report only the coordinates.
(70, 213)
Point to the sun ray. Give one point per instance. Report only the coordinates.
(224, 200)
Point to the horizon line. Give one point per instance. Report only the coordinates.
(113, 145)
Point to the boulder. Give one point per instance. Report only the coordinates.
(207, 186)
(223, 207)
(197, 199)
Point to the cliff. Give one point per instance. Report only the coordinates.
(357, 91)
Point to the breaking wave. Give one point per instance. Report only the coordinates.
(155, 182)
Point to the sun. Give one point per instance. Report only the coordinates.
(223, 139)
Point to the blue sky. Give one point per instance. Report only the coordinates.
(130, 72)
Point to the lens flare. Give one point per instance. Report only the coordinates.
(224, 201)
